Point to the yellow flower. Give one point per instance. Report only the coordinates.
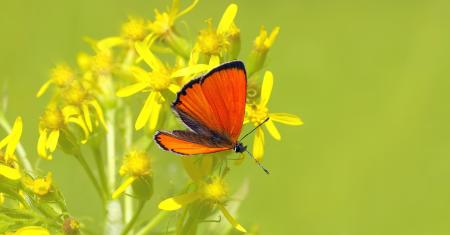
(257, 113)
(79, 99)
(264, 41)
(216, 41)
(52, 122)
(39, 186)
(214, 192)
(165, 21)
(9, 166)
(62, 75)
(160, 79)
(136, 164)
(30, 230)
(135, 29)
(260, 50)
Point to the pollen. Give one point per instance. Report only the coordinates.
(136, 163)
(210, 42)
(62, 75)
(216, 191)
(134, 29)
(52, 118)
(257, 113)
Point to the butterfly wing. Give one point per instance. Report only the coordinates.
(215, 102)
(190, 143)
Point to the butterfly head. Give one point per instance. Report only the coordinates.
(239, 148)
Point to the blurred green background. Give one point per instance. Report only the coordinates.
(370, 79)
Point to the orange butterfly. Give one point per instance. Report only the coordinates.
(213, 108)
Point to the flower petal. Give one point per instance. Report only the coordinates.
(246, 120)
(52, 141)
(87, 117)
(174, 88)
(152, 61)
(273, 131)
(42, 144)
(4, 142)
(190, 70)
(43, 89)
(175, 203)
(145, 112)
(154, 114)
(266, 89)
(14, 137)
(98, 109)
(32, 230)
(227, 18)
(123, 187)
(108, 43)
(214, 61)
(79, 122)
(9, 172)
(231, 219)
(273, 35)
(70, 111)
(131, 90)
(258, 144)
(197, 169)
(286, 118)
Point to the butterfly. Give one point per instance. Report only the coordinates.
(212, 107)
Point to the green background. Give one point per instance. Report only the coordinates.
(369, 78)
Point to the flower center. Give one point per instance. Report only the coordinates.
(257, 113)
(159, 81)
(215, 191)
(62, 75)
(102, 63)
(75, 95)
(52, 118)
(211, 43)
(136, 164)
(134, 29)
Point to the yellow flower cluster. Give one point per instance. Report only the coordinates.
(111, 103)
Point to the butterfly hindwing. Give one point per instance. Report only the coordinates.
(190, 143)
(215, 101)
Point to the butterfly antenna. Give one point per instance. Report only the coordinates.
(265, 120)
(259, 163)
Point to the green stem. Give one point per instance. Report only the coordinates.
(133, 220)
(101, 169)
(111, 150)
(91, 175)
(128, 136)
(153, 223)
